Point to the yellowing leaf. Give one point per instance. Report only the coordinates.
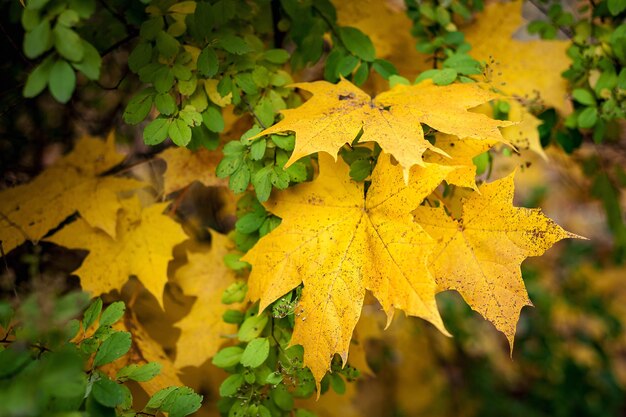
(521, 68)
(461, 152)
(337, 113)
(210, 86)
(480, 254)
(206, 277)
(73, 184)
(143, 248)
(185, 167)
(339, 244)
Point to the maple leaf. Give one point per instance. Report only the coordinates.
(461, 152)
(479, 255)
(339, 244)
(525, 134)
(29, 211)
(143, 247)
(185, 167)
(337, 112)
(205, 276)
(522, 67)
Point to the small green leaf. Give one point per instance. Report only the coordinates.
(163, 79)
(337, 383)
(445, 76)
(213, 119)
(228, 165)
(156, 401)
(62, 81)
(156, 131)
(360, 169)
(234, 44)
(227, 357)
(138, 107)
(252, 327)
(250, 222)
(181, 402)
(385, 68)
(91, 62)
(165, 103)
(262, 183)
(231, 385)
(276, 56)
(584, 96)
(112, 313)
(180, 132)
(68, 44)
(38, 79)
(282, 398)
(235, 293)
(347, 64)
(207, 62)
(38, 40)
(256, 353)
(140, 56)
(233, 316)
(257, 149)
(116, 346)
(361, 74)
(139, 373)
(107, 392)
(240, 179)
(588, 118)
(358, 43)
(286, 142)
(167, 45)
(92, 313)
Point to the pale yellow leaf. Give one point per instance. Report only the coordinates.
(143, 248)
(185, 167)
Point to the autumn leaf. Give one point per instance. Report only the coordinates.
(479, 255)
(525, 134)
(143, 247)
(339, 244)
(29, 211)
(461, 152)
(185, 167)
(205, 276)
(521, 68)
(336, 114)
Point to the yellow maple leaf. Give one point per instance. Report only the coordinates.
(29, 211)
(522, 68)
(460, 152)
(479, 255)
(525, 134)
(337, 112)
(185, 167)
(205, 276)
(143, 247)
(339, 244)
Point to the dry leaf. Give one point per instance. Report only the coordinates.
(185, 167)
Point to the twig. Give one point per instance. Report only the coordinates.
(251, 111)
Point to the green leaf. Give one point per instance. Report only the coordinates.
(360, 169)
(286, 142)
(156, 131)
(257, 149)
(139, 373)
(138, 107)
(167, 45)
(228, 165)
(181, 402)
(347, 64)
(112, 313)
(616, 6)
(481, 161)
(92, 313)
(6, 314)
(207, 62)
(151, 27)
(156, 401)
(331, 68)
(445, 76)
(165, 103)
(227, 357)
(282, 398)
(240, 179)
(68, 44)
(38, 40)
(107, 392)
(233, 44)
(163, 79)
(252, 327)
(276, 56)
(180, 132)
(213, 119)
(62, 81)
(358, 43)
(588, 118)
(140, 56)
(91, 62)
(584, 96)
(233, 316)
(38, 79)
(361, 74)
(231, 385)
(256, 353)
(280, 178)
(250, 222)
(113, 348)
(337, 383)
(385, 68)
(181, 72)
(262, 183)
(235, 293)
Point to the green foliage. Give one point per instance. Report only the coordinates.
(52, 362)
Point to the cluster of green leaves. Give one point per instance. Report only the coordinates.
(266, 373)
(50, 35)
(52, 363)
(437, 34)
(597, 74)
